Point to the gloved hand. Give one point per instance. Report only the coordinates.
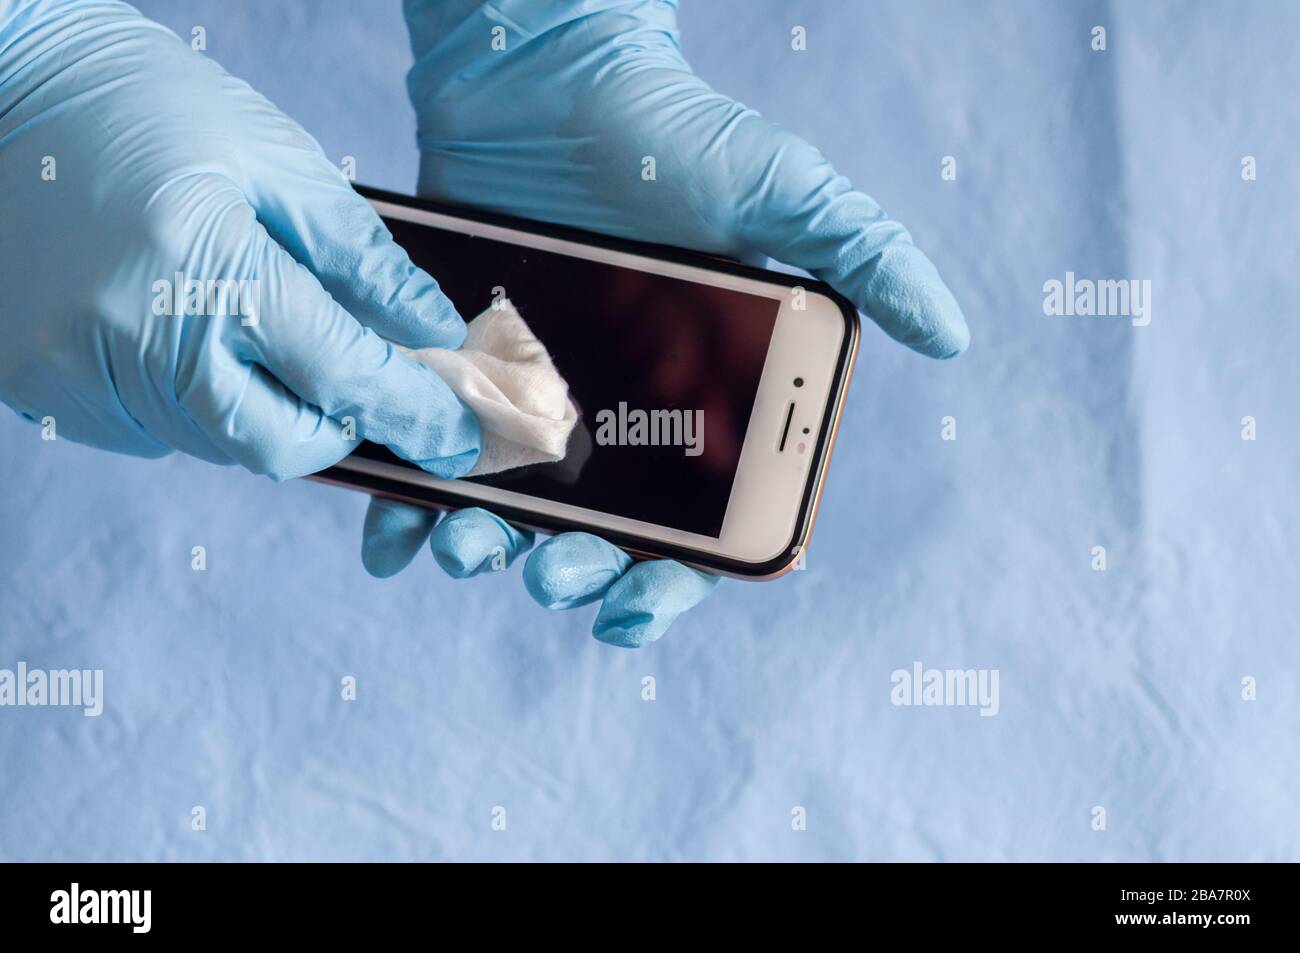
(558, 110)
(132, 167)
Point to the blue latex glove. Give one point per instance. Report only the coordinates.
(558, 126)
(127, 159)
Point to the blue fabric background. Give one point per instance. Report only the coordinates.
(1119, 689)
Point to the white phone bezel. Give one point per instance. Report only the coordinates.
(768, 489)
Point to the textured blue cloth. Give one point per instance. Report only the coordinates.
(1119, 689)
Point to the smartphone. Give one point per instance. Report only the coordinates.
(709, 392)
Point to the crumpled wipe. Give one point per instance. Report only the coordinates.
(504, 374)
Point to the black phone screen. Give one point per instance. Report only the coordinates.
(687, 356)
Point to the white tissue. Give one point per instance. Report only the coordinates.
(503, 373)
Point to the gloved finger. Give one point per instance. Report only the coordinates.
(241, 414)
(310, 208)
(647, 599)
(392, 535)
(468, 542)
(797, 209)
(318, 351)
(573, 569)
